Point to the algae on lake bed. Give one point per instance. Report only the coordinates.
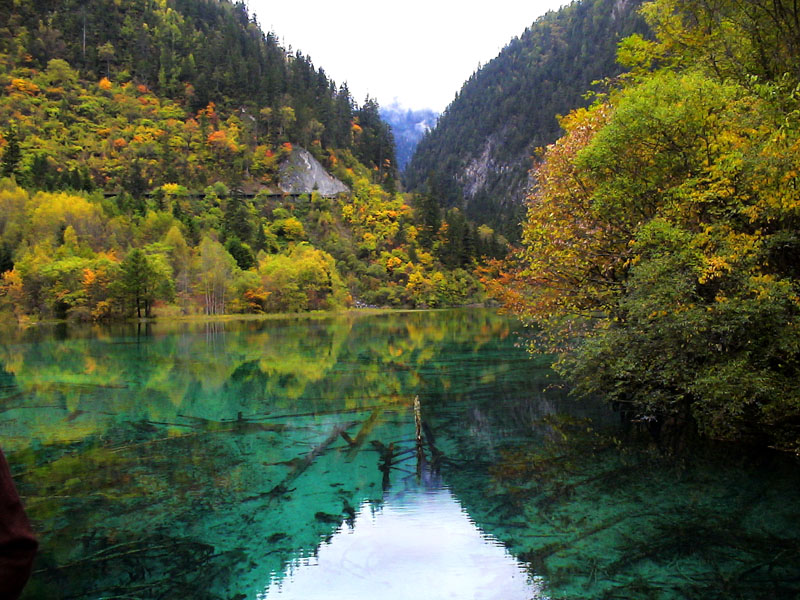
(223, 461)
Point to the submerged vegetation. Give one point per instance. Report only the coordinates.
(661, 244)
(209, 459)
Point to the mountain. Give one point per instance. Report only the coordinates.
(166, 157)
(479, 154)
(205, 62)
(409, 127)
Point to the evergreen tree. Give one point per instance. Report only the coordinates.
(241, 253)
(237, 219)
(260, 242)
(9, 165)
(6, 257)
(429, 219)
(137, 282)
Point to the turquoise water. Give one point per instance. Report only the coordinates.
(279, 460)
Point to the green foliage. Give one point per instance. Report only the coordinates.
(304, 279)
(146, 139)
(143, 280)
(661, 243)
(241, 253)
(9, 164)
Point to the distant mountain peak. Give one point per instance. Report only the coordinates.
(409, 126)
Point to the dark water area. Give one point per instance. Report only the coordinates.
(279, 459)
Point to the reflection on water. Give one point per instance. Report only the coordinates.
(235, 461)
(419, 543)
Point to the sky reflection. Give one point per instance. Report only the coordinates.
(419, 544)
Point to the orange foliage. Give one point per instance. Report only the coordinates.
(89, 277)
(24, 86)
(217, 137)
(105, 84)
(209, 112)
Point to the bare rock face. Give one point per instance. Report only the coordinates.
(301, 173)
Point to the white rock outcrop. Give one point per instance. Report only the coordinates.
(301, 173)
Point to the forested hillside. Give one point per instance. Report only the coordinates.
(479, 154)
(193, 76)
(143, 144)
(661, 255)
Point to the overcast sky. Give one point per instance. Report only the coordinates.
(417, 52)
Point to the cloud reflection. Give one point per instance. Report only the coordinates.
(418, 544)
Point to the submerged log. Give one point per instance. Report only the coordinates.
(362, 434)
(301, 464)
(436, 454)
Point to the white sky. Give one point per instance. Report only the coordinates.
(417, 52)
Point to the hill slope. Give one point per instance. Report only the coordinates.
(183, 55)
(151, 164)
(479, 154)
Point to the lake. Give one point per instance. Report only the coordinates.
(286, 459)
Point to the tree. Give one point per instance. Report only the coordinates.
(137, 282)
(659, 253)
(107, 54)
(9, 165)
(217, 267)
(241, 253)
(286, 118)
(6, 257)
(429, 217)
(144, 279)
(237, 219)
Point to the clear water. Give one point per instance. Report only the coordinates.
(277, 460)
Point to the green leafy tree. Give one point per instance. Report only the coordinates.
(241, 253)
(237, 220)
(143, 280)
(136, 282)
(660, 245)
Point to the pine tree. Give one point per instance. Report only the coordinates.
(137, 281)
(6, 257)
(12, 154)
(237, 221)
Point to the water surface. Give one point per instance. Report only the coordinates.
(278, 459)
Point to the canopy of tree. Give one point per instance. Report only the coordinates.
(661, 254)
(479, 154)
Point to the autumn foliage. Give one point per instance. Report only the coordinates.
(660, 248)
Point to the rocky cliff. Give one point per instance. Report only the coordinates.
(301, 173)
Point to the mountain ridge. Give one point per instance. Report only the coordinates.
(479, 154)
